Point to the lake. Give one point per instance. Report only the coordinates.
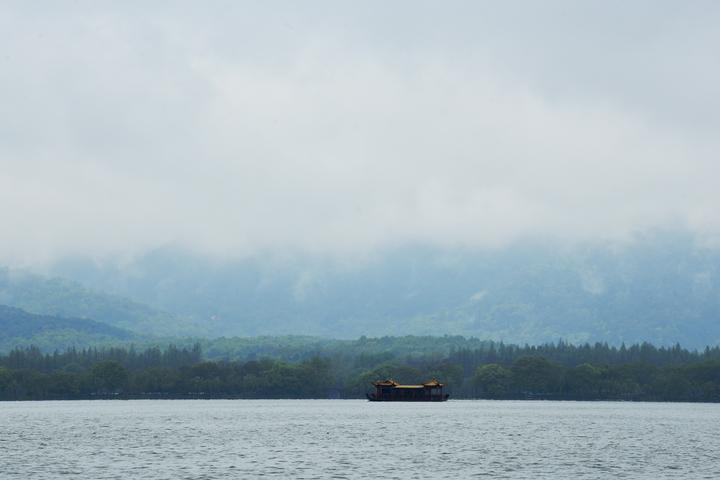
(213, 439)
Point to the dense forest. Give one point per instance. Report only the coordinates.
(553, 371)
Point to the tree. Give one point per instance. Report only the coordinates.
(109, 376)
(584, 381)
(492, 381)
(536, 375)
(5, 383)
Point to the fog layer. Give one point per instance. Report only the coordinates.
(235, 127)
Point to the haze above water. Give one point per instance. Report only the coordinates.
(357, 439)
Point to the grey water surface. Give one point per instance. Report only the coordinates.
(213, 439)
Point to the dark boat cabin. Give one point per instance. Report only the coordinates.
(391, 391)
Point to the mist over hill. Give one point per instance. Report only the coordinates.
(20, 328)
(60, 297)
(663, 288)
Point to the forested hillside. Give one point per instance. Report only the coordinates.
(663, 288)
(65, 298)
(18, 327)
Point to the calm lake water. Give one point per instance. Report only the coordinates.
(213, 439)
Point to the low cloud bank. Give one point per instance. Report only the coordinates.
(341, 129)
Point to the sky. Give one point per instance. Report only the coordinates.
(341, 127)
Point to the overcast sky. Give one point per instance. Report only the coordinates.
(345, 126)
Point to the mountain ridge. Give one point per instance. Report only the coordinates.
(62, 297)
(662, 289)
(21, 328)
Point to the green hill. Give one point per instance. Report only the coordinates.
(58, 297)
(19, 328)
(663, 288)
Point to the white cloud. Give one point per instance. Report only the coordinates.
(265, 126)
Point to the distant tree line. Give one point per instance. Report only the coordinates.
(28, 374)
(569, 354)
(494, 370)
(72, 359)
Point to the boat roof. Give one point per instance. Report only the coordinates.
(433, 383)
(386, 383)
(392, 383)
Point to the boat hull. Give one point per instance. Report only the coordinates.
(371, 397)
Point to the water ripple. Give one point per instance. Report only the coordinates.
(165, 439)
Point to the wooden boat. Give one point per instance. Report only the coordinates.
(391, 391)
